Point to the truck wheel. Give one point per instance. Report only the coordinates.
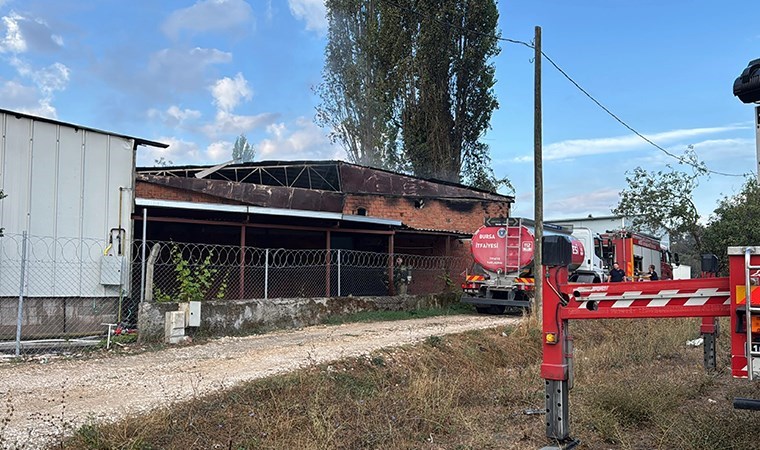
(491, 309)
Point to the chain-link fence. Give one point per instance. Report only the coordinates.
(181, 271)
(66, 292)
(57, 292)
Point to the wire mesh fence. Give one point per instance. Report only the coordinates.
(183, 271)
(57, 292)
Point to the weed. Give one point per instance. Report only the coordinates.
(434, 341)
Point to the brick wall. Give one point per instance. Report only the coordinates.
(158, 192)
(460, 215)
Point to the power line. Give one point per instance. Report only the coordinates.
(680, 159)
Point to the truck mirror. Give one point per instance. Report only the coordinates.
(676, 259)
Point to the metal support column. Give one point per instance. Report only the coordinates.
(242, 262)
(328, 263)
(21, 291)
(709, 330)
(142, 270)
(557, 409)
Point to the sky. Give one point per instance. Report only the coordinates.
(195, 75)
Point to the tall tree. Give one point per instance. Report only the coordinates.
(360, 87)
(242, 151)
(408, 84)
(731, 224)
(449, 96)
(664, 199)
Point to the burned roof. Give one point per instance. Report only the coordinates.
(326, 175)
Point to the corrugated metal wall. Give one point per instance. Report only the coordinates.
(62, 183)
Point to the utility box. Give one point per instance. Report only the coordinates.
(110, 270)
(174, 327)
(194, 314)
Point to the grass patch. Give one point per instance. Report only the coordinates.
(637, 386)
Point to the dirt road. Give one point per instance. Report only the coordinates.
(42, 398)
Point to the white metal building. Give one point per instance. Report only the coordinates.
(70, 189)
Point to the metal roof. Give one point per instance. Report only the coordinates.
(137, 140)
(245, 209)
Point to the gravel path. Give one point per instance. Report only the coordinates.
(41, 398)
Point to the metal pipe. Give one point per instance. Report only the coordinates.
(20, 315)
(747, 403)
(748, 314)
(144, 230)
(338, 272)
(266, 274)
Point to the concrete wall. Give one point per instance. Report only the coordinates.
(243, 317)
(57, 316)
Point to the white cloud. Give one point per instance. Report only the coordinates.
(183, 69)
(228, 123)
(178, 152)
(37, 100)
(174, 116)
(219, 151)
(25, 99)
(182, 115)
(182, 152)
(307, 141)
(228, 92)
(23, 34)
(313, 12)
(599, 202)
(13, 41)
(208, 15)
(574, 148)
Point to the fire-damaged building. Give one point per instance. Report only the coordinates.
(310, 205)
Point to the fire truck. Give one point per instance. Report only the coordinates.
(635, 252)
(503, 253)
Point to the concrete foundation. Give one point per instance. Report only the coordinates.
(45, 317)
(243, 317)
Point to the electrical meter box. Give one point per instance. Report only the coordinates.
(110, 270)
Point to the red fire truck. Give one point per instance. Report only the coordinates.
(635, 252)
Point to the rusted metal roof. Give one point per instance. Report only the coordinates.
(333, 176)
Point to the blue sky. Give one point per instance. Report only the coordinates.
(197, 74)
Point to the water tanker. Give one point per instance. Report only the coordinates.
(504, 252)
(510, 249)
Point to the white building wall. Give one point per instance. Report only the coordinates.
(63, 186)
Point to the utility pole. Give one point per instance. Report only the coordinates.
(538, 202)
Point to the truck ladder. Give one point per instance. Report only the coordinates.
(749, 311)
(514, 243)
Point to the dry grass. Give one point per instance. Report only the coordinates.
(637, 386)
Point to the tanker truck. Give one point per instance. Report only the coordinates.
(503, 251)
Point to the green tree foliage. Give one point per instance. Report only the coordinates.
(242, 151)
(733, 221)
(448, 89)
(663, 199)
(195, 279)
(361, 85)
(408, 85)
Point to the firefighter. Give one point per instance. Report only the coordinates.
(401, 277)
(617, 274)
